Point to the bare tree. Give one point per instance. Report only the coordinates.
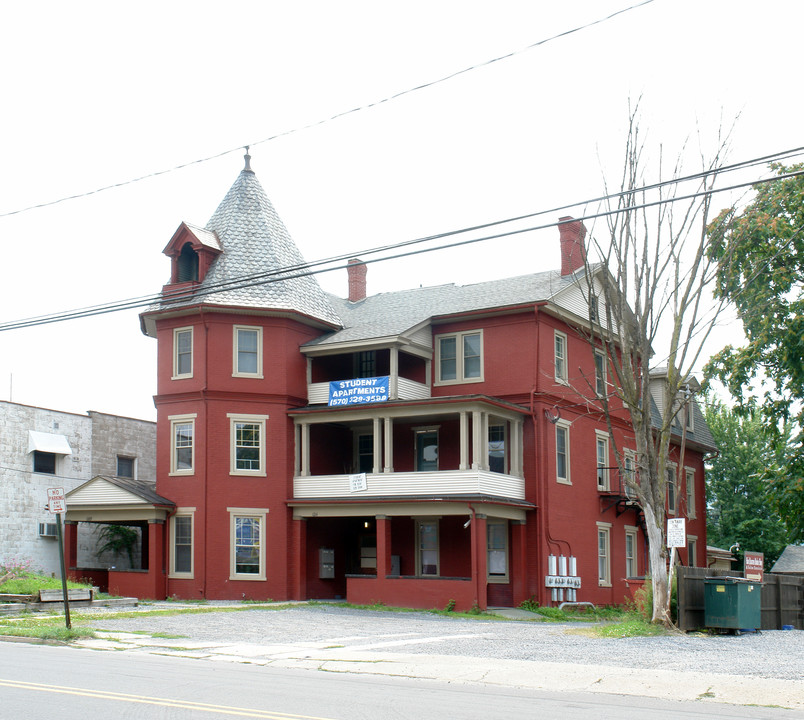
(654, 310)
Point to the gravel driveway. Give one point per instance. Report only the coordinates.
(770, 654)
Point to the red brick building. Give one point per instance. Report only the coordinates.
(412, 448)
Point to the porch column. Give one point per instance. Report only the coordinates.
(518, 562)
(157, 578)
(388, 465)
(515, 458)
(393, 390)
(376, 460)
(304, 452)
(70, 544)
(428, 369)
(464, 441)
(383, 546)
(298, 556)
(480, 560)
(477, 440)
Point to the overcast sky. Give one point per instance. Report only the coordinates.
(96, 94)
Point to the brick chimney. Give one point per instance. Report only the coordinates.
(357, 279)
(573, 253)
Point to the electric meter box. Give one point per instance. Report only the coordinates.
(326, 563)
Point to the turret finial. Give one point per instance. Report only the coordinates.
(248, 161)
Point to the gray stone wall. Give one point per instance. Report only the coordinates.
(113, 435)
(95, 439)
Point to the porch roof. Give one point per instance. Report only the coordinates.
(421, 506)
(410, 407)
(108, 498)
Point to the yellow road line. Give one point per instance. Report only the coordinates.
(145, 699)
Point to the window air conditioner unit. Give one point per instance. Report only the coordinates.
(47, 530)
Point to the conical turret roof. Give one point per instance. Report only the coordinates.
(256, 242)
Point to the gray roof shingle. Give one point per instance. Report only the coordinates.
(255, 241)
(393, 313)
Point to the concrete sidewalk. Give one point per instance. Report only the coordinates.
(664, 684)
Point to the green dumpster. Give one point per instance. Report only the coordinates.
(733, 603)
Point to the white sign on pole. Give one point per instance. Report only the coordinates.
(55, 500)
(676, 533)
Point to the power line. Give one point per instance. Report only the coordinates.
(331, 118)
(182, 297)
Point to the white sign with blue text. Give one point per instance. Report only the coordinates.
(358, 391)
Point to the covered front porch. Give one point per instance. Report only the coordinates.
(120, 503)
(461, 553)
(456, 446)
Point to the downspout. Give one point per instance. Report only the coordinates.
(166, 547)
(543, 515)
(474, 544)
(206, 454)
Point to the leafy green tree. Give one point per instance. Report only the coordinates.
(760, 255)
(740, 507)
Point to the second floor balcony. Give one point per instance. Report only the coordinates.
(468, 446)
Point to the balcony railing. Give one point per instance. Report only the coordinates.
(412, 484)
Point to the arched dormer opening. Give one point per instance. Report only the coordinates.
(192, 251)
(187, 264)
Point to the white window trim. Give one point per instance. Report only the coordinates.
(176, 375)
(253, 328)
(563, 376)
(564, 425)
(500, 579)
(689, 485)
(261, 514)
(178, 420)
(632, 531)
(694, 540)
(182, 512)
(604, 527)
(419, 523)
(459, 358)
(254, 420)
(602, 437)
(672, 510)
(601, 372)
(629, 455)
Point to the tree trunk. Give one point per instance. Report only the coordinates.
(658, 568)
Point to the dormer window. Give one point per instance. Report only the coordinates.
(188, 264)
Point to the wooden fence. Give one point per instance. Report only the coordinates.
(782, 598)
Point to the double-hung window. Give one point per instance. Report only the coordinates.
(247, 351)
(602, 449)
(600, 374)
(560, 354)
(247, 538)
(182, 453)
(689, 476)
(631, 563)
(604, 554)
(181, 543)
(459, 357)
(672, 494)
(247, 447)
(182, 353)
(563, 452)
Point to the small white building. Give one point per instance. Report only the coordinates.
(42, 448)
